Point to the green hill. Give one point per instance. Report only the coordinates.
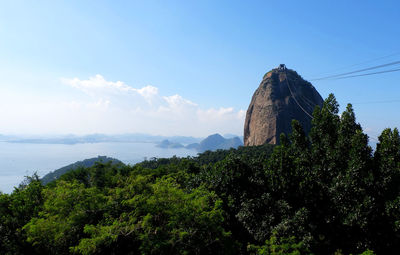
(54, 175)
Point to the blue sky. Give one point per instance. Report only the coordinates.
(184, 67)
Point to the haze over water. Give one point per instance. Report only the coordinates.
(23, 159)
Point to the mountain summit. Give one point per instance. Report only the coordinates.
(215, 142)
(283, 95)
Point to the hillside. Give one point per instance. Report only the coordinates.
(84, 163)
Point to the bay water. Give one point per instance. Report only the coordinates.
(23, 159)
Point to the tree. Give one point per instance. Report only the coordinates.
(66, 210)
(16, 210)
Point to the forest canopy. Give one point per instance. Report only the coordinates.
(325, 193)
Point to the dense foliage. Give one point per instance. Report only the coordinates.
(84, 163)
(326, 193)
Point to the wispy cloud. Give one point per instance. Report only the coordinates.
(127, 109)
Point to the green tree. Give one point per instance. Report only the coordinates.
(279, 246)
(16, 210)
(386, 221)
(66, 210)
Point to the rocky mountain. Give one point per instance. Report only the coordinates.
(215, 142)
(211, 143)
(283, 95)
(84, 163)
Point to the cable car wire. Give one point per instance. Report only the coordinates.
(366, 74)
(380, 102)
(287, 82)
(307, 101)
(361, 63)
(356, 71)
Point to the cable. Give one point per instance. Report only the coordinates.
(310, 105)
(356, 71)
(366, 74)
(307, 101)
(287, 82)
(381, 102)
(362, 63)
(311, 102)
(373, 138)
(309, 115)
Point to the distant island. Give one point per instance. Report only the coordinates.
(166, 144)
(211, 143)
(97, 138)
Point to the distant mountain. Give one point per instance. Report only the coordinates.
(184, 139)
(166, 144)
(84, 163)
(99, 138)
(192, 146)
(233, 143)
(215, 142)
(227, 136)
(6, 138)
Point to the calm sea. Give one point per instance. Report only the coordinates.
(21, 159)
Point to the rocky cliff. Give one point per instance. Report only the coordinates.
(283, 95)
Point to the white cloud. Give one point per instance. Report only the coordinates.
(215, 113)
(148, 92)
(97, 82)
(97, 86)
(177, 101)
(115, 107)
(241, 114)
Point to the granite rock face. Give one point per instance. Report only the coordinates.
(283, 95)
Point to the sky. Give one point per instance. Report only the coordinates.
(185, 67)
